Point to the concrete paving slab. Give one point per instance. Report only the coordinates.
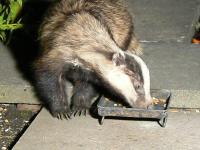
(10, 75)
(166, 20)
(13, 87)
(18, 94)
(84, 133)
(173, 65)
(185, 99)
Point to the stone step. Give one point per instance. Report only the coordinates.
(83, 133)
(161, 20)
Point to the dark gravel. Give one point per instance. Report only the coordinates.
(13, 123)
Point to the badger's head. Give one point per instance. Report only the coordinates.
(124, 75)
(129, 78)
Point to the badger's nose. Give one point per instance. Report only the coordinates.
(141, 104)
(144, 103)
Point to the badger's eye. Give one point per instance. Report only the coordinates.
(137, 84)
(137, 87)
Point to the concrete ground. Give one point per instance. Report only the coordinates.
(84, 133)
(164, 27)
(13, 87)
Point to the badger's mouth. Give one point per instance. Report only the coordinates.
(142, 104)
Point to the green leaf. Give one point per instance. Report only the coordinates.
(6, 14)
(9, 11)
(1, 19)
(15, 7)
(10, 26)
(2, 36)
(20, 2)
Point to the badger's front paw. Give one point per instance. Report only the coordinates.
(83, 98)
(80, 104)
(60, 110)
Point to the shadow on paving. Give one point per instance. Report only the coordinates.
(24, 42)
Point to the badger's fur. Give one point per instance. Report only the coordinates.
(83, 43)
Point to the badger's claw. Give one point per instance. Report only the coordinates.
(85, 112)
(74, 112)
(62, 114)
(66, 116)
(59, 116)
(79, 111)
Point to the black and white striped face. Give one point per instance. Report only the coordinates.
(132, 80)
(125, 75)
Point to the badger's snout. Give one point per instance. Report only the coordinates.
(143, 102)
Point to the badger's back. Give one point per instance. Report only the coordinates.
(110, 13)
(88, 30)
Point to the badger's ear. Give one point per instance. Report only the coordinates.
(118, 59)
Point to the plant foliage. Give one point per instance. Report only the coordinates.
(9, 11)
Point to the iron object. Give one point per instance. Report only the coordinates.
(158, 112)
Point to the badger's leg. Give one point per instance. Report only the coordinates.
(84, 96)
(135, 47)
(51, 86)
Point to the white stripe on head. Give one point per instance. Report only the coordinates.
(122, 84)
(145, 75)
(119, 82)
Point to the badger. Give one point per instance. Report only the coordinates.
(89, 45)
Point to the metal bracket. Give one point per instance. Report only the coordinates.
(162, 122)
